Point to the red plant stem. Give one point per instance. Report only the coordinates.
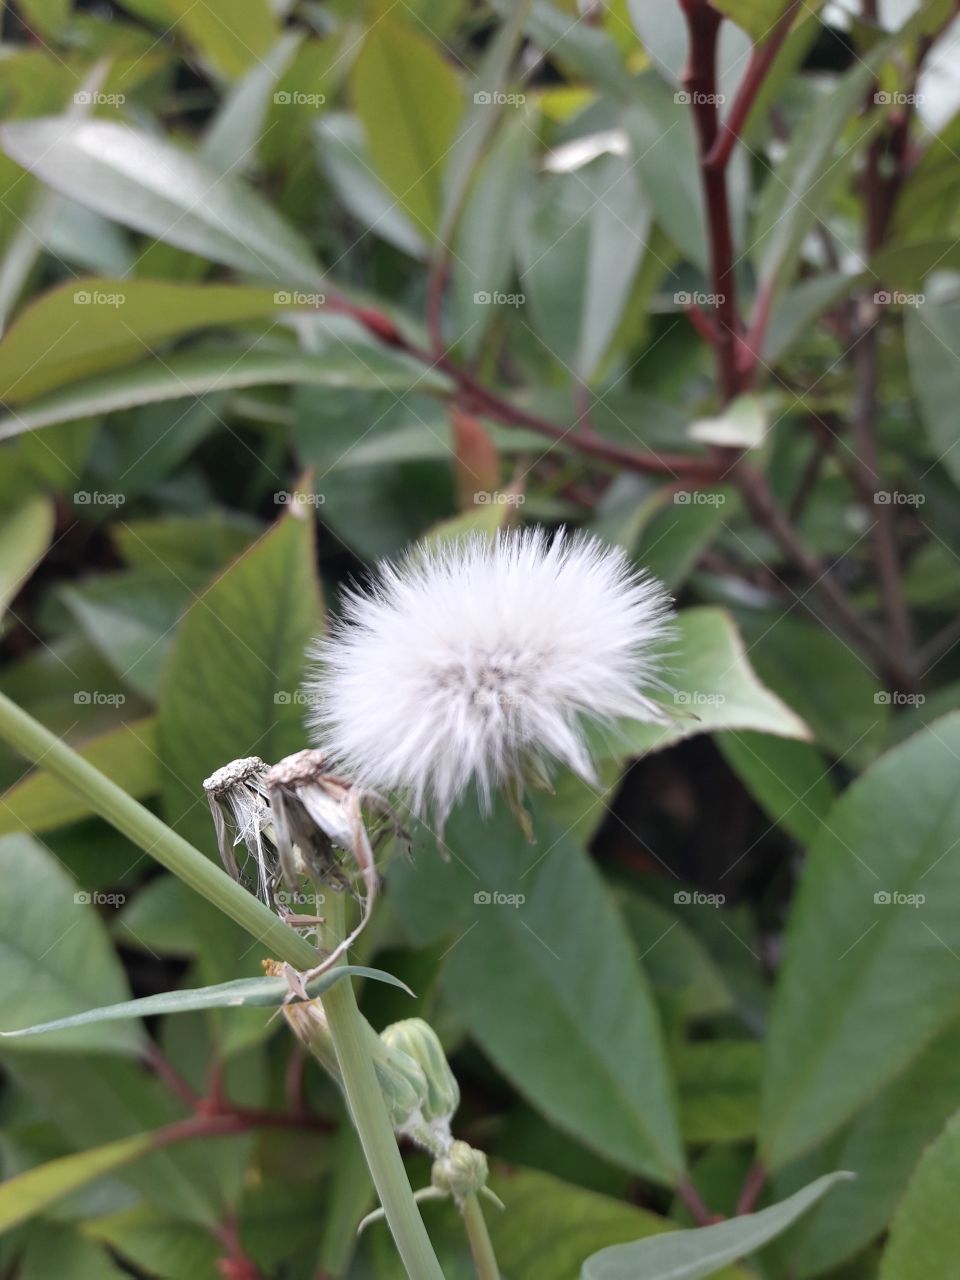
(700, 81)
(752, 1186)
(164, 1069)
(690, 1196)
(761, 60)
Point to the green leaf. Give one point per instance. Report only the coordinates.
(719, 1086)
(231, 687)
(408, 98)
(126, 755)
(714, 687)
(343, 365)
(932, 335)
(30, 1193)
(230, 141)
(756, 17)
(881, 1146)
(789, 780)
(872, 925)
(91, 325)
(675, 537)
(823, 680)
(678, 965)
(558, 1009)
(689, 1255)
(130, 619)
(24, 537)
(483, 260)
(227, 36)
(550, 1226)
(147, 183)
(157, 1243)
(925, 1237)
(56, 953)
(53, 1250)
(242, 993)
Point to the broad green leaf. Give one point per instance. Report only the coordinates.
(407, 95)
(484, 248)
(713, 687)
(147, 183)
(157, 1243)
(52, 1250)
(881, 1146)
(342, 365)
(686, 523)
(932, 336)
(93, 1099)
(230, 141)
(185, 545)
(905, 263)
(823, 680)
(242, 993)
(809, 174)
(690, 1255)
(925, 1237)
(550, 1226)
(872, 925)
(24, 537)
(756, 17)
(719, 1086)
(559, 1009)
(789, 780)
(801, 306)
(342, 153)
(231, 687)
(41, 803)
(56, 953)
(91, 325)
(677, 964)
(741, 425)
(30, 1193)
(130, 619)
(228, 36)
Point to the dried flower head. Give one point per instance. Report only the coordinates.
(483, 661)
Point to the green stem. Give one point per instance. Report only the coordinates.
(481, 1245)
(347, 1026)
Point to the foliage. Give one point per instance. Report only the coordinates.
(284, 288)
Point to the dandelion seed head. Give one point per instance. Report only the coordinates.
(480, 661)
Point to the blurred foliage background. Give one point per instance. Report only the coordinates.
(287, 285)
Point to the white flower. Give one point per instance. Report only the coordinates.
(482, 661)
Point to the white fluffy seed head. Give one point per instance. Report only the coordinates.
(480, 661)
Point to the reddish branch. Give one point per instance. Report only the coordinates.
(752, 1186)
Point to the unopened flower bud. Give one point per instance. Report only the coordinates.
(461, 1172)
(404, 1087)
(419, 1040)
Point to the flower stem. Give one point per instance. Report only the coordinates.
(481, 1245)
(347, 1026)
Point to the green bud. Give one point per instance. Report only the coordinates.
(419, 1041)
(403, 1083)
(461, 1172)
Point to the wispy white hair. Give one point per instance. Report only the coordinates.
(482, 661)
